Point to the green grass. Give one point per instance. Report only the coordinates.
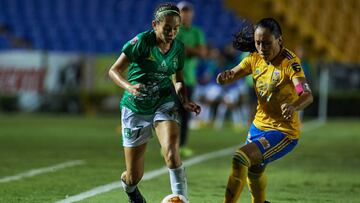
(324, 167)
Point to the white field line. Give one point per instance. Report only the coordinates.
(158, 172)
(148, 175)
(39, 171)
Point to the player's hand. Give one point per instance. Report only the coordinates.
(192, 107)
(225, 76)
(287, 110)
(137, 90)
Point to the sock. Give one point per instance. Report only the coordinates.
(257, 184)
(237, 178)
(127, 188)
(178, 181)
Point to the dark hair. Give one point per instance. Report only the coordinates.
(164, 10)
(244, 39)
(271, 24)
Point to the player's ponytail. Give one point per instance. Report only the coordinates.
(244, 39)
(164, 10)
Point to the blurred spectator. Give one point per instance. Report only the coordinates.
(194, 41)
(207, 93)
(70, 83)
(234, 98)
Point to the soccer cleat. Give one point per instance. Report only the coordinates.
(266, 202)
(135, 196)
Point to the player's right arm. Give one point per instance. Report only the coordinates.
(115, 73)
(241, 70)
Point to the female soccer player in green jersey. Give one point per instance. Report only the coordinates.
(282, 91)
(153, 86)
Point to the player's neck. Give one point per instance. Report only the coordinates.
(275, 59)
(164, 47)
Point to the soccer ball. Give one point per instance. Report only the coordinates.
(175, 198)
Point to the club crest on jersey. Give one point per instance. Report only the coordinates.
(264, 142)
(257, 71)
(127, 132)
(134, 40)
(163, 67)
(276, 76)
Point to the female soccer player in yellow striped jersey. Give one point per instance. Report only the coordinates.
(282, 91)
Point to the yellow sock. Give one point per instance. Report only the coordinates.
(237, 177)
(257, 185)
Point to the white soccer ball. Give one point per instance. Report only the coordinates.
(175, 198)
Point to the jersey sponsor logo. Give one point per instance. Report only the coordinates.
(296, 67)
(264, 142)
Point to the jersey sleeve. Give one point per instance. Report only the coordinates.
(201, 37)
(133, 49)
(294, 69)
(246, 64)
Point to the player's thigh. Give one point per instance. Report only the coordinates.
(253, 153)
(167, 124)
(168, 132)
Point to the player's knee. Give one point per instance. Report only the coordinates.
(255, 172)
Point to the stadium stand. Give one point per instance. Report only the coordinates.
(329, 26)
(97, 26)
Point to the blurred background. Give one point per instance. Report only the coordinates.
(55, 54)
(57, 103)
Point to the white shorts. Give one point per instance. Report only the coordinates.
(137, 128)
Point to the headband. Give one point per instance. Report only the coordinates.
(166, 12)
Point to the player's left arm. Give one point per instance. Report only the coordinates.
(197, 51)
(181, 92)
(305, 98)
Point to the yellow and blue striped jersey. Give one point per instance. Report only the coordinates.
(274, 87)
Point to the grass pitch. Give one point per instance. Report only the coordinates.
(324, 167)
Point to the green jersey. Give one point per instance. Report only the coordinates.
(152, 68)
(191, 37)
